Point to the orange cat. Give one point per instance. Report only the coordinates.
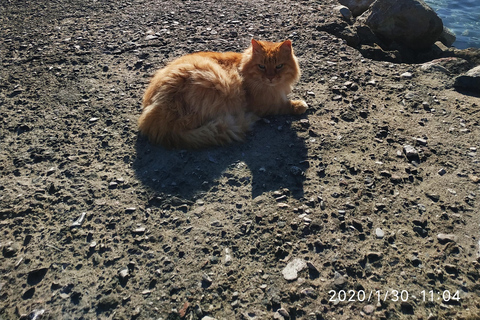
(210, 98)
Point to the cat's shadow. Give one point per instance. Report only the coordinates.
(272, 158)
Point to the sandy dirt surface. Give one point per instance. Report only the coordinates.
(365, 207)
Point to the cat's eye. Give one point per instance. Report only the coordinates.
(261, 66)
(280, 66)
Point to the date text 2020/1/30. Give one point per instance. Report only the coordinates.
(392, 295)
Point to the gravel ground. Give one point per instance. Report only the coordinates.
(367, 206)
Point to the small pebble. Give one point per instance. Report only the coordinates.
(452, 191)
(150, 37)
(123, 274)
(421, 141)
(369, 309)
(410, 152)
(284, 313)
(36, 314)
(435, 197)
(79, 221)
(309, 292)
(339, 280)
(396, 178)
(227, 260)
(139, 230)
(379, 233)
(216, 223)
(474, 178)
(322, 205)
(290, 272)
(206, 280)
(304, 122)
(445, 238)
(10, 249)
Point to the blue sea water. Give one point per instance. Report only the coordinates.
(462, 17)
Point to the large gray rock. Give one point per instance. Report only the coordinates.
(408, 22)
(357, 7)
(469, 81)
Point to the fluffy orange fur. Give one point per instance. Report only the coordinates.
(211, 98)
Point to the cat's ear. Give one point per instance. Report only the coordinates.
(256, 46)
(286, 46)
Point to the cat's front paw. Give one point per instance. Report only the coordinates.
(299, 106)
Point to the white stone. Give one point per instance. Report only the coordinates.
(290, 272)
(379, 233)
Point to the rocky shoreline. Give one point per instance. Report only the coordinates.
(366, 207)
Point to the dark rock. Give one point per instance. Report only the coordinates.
(35, 276)
(433, 196)
(374, 256)
(107, 303)
(206, 281)
(10, 250)
(312, 271)
(357, 224)
(408, 22)
(344, 12)
(406, 308)
(420, 231)
(28, 294)
(123, 274)
(411, 153)
(469, 81)
(447, 37)
(451, 269)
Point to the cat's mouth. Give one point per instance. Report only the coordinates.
(271, 82)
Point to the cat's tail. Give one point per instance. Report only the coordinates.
(222, 130)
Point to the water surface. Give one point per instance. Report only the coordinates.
(462, 17)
